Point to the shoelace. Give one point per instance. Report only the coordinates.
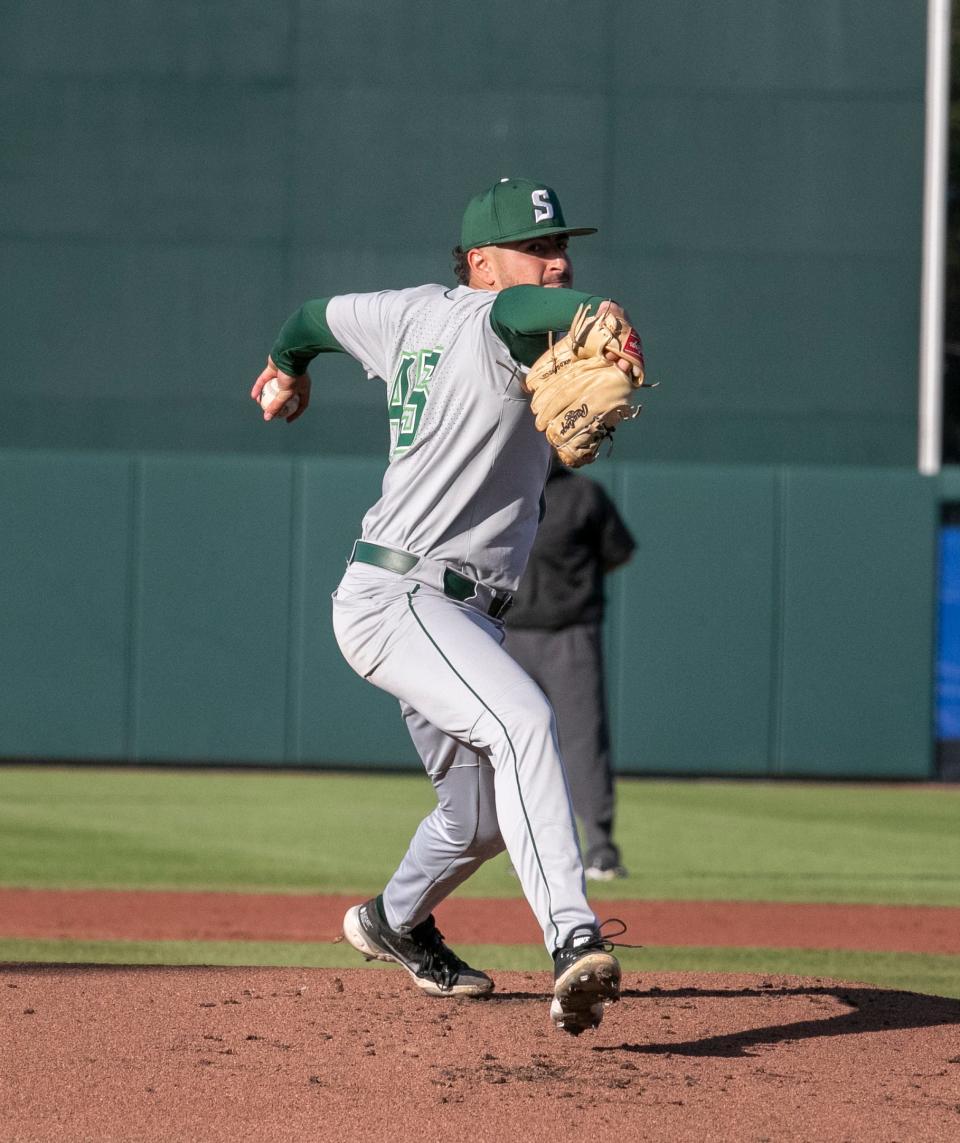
(600, 939)
(438, 961)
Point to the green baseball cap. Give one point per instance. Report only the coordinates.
(512, 210)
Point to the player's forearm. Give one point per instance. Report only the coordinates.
(522, 316)
(303, 335)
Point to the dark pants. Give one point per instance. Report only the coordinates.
(568, 666)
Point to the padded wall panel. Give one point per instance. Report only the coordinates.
(697, 612)
(858, 618)
(65, 563)
(212, 665)
(773, 621)
(341, 718)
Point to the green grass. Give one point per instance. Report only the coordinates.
(932, 975)
(328, 832)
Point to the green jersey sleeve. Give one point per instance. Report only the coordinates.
(302, 336)
(523, 316)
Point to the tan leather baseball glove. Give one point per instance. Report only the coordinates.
(580, 395)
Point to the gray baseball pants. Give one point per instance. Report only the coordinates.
(487, 738)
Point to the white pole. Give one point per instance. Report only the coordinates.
(934, 237)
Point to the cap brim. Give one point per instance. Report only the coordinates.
(540, 232)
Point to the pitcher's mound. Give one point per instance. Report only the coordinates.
(209, 1054)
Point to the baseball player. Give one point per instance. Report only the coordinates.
(419, 609)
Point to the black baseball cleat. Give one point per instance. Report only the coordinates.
(586, 978)
(434, 968)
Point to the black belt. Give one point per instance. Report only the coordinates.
(455, 585)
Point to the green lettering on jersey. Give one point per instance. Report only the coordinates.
(408, 395)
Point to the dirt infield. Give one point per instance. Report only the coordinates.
(171, 1055)
(156, 916)
(117, 1055)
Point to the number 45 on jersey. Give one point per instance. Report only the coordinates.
(408, 396)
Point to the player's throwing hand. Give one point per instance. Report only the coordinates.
(289, 387)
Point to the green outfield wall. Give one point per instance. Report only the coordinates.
(159, 608)
(177, 177)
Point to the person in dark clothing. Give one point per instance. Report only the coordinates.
(554, 631)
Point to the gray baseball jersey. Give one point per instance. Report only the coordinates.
(467, 465)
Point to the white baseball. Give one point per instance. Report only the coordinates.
(269, 393)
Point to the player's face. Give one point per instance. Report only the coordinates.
(532, 262)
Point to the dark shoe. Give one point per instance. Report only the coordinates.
(586, 979)
(435, 969)
(604, 871)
